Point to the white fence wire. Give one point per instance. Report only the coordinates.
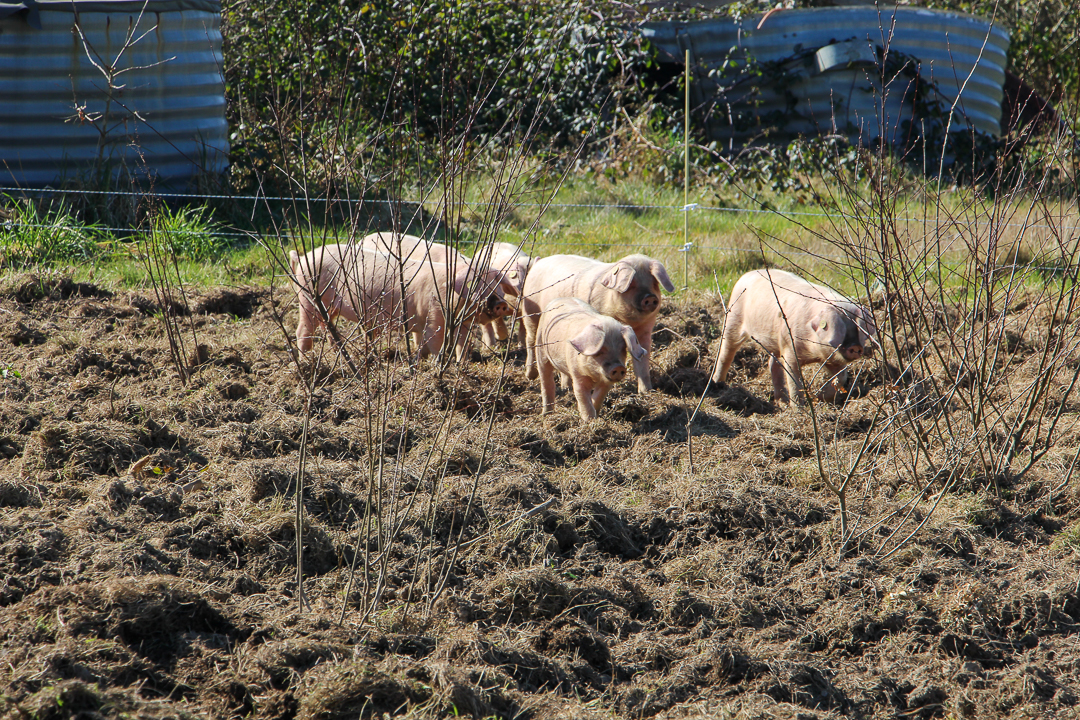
(686, 248)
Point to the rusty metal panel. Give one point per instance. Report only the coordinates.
(163, 118)
(857, 71)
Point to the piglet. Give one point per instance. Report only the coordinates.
(797, 323)
(378, 291)
(410, 248)
(589, 351)
(514, 265)
(627, 290)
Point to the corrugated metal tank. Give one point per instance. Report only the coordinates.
(856, 71)
(165, 116)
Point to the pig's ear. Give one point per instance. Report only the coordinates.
(619, 277)
(868, 318)
(632, 342)
(660, 273)
(590, 340)
(508, 283)
(461, 286)
(515, 283)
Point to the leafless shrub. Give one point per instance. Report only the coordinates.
(972, 273)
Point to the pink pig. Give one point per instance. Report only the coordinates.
(514, 265)
(365, 286)
(416, 249)
(589, 351)
(627, 290)
(797, 323)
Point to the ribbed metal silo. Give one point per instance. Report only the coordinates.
(863, 71)
(164, 115)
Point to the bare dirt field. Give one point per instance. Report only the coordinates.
(506, 565)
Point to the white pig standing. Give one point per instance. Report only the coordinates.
(367, 287)
(589, 351)
(797, 323)
(514, 265)
(416, 249)
(627, 290)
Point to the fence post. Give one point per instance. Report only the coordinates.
(686, 179)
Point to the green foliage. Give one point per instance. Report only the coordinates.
(773, 172)
(1044, 42)
(418, 73)
(34, 235)
(189, 232)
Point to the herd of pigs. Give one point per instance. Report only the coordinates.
(577, 315)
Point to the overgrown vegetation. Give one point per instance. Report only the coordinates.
(410, 73)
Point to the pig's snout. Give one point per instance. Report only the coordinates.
(649, 303)
(617, 373)
(498, 307)
(853, 352)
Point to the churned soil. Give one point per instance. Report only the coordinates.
(463, 556)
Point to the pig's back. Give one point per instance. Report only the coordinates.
(562, 319)
(379, 277)
(331, 263)
(410, 247)
(559, 276)
(503, 255)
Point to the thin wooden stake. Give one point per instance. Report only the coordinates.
(686, 180)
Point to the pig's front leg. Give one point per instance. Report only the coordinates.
(532, 324)
(500, 329)
(779, 381)
(305, 327)
(583, 388)
(598, 394)
(522, 339)
(462, 344)
(644, 378)
(487, 335)
(547, 387)
(729, 345)
(835, 389)
(429, 339)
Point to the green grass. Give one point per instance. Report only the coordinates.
(595, 217)
(32, 235)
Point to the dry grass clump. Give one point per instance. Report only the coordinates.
(345, 691)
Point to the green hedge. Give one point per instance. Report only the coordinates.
(492, 70)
